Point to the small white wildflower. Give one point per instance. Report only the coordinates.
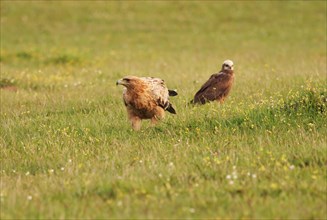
(70, 160)
(51, 171)
(14, 171)
(62, 168)
(292, 167)
(234, 167)
(249, 174)
(231, 182)
(254, 176)
(228, 177)
(27, 173)
(160, 175)
(141, 161)
(234, 174)
(171, 164)
(29, 198)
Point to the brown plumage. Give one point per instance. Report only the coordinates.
(218, 85)
(146, 98)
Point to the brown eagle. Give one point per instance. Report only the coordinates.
(218, 85)
(146, 98)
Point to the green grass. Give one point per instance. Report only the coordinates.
(68, 151)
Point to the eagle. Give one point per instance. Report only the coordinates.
(146, 98)
(217, 86)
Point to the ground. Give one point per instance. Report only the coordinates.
(68, 151)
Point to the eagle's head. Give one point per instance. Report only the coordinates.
(129, 81)
(228, 65)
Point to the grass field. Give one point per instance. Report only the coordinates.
(68, 151)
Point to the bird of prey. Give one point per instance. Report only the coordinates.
(146, 98)
(218, 85)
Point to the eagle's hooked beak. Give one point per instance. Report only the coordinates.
(119, 82)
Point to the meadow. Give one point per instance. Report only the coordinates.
(68, 151)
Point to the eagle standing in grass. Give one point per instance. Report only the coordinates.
(146, 98)
(218, 85)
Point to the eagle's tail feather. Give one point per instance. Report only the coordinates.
(172, 93)
(171, 109)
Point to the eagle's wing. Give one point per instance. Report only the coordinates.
(213, 89)
(160, 92)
